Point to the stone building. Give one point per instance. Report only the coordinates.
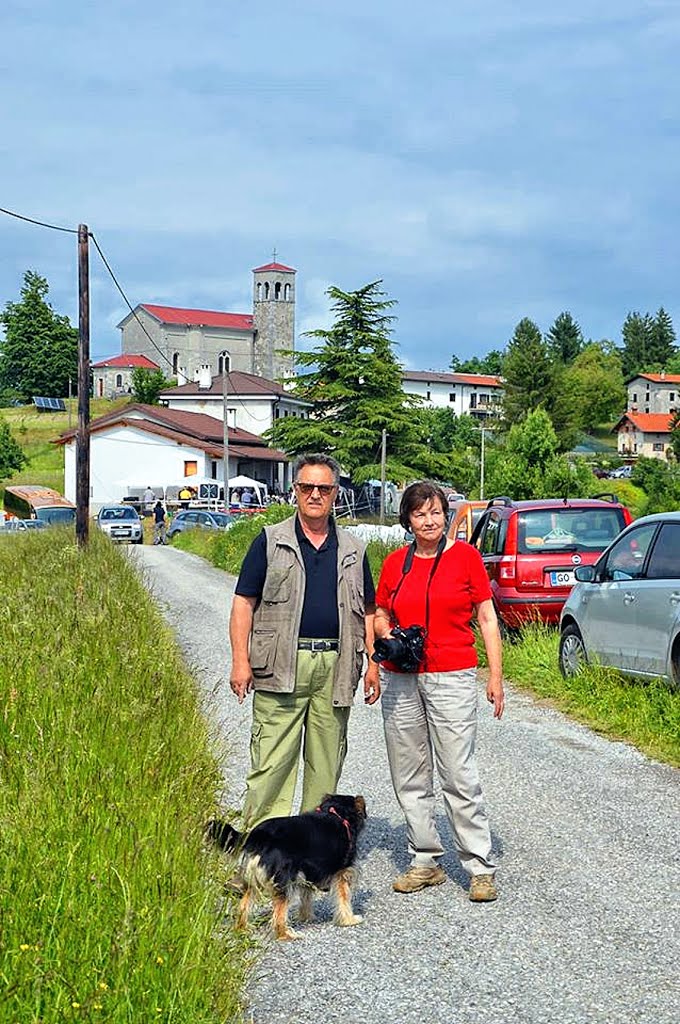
(185, 342)
(112, 378)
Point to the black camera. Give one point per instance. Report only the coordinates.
(403, 647)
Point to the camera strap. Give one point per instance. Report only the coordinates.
(405, 570)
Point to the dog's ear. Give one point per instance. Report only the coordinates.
(360, 805)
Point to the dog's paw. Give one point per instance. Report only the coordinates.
(347, 920)
(288, 935)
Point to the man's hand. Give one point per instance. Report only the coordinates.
(372, 683)
(496, 696)
(241, 681)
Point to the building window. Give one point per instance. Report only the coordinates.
(190, 468)
(266, 289)
(259, 290)
(221, 360)
(175, 363)
(473, 400)
(671, 397)
(635, 396)
(657, 446)
(452, 396)
(277, 290)
(646, 408)
(286, 293)
(119, 380)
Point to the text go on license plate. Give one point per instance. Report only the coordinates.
(562, 578)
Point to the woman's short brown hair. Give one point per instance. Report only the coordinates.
(416, 495)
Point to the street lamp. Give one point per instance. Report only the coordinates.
(226, 359)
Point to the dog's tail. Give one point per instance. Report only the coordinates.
(222, 834)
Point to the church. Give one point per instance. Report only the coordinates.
(185, 343)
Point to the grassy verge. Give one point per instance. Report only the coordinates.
(108, 902)
(645, 713)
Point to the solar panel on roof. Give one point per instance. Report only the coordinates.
(49, 404)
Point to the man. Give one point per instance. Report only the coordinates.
(159, 523)
(301, 621)
(148, 500)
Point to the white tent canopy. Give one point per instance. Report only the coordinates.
(246, 481)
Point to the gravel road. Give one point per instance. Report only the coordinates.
(587, 924)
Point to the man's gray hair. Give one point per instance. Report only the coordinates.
(317, 459)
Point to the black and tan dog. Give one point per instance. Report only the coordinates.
(315, 850)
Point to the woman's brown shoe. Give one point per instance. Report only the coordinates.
(483, 889)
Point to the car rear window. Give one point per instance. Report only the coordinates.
(568, 529)
(119, 513)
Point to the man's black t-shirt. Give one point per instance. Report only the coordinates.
(320, 606)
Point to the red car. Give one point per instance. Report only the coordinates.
(531, 548)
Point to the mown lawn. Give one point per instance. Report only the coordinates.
(111, 908)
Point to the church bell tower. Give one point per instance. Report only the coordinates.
(274, 320)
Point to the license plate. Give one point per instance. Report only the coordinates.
(562, 578)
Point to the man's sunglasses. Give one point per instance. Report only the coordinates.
(307, 489)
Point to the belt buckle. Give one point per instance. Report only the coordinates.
(320, 645)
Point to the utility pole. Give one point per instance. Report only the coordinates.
(225, 392)
(481, 470)
(70, 397)
(83, 431)
(383, 459)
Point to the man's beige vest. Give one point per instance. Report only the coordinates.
(276, 622)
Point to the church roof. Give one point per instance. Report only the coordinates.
(199, 317)
(127, 362)
(275, 266)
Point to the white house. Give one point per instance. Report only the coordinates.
(478, 395)
(654, 393)
(641, 433)
(253, 403)
(148, 445)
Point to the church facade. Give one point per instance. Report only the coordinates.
(186, 343)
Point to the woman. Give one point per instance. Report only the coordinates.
(430, 707)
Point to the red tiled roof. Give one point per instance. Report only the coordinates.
(436, 377)
(648, 422)
(658, 378)
(200, 317)
(190, 425)
(127, 362)
(275, 266)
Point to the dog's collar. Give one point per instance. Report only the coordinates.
(332, 810)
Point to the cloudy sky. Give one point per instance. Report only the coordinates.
(487, 160)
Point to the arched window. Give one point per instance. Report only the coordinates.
(277, 290)
(119, 380)
(259, 290)
(266, 289)
(224, 363)
(175, 363)
(286, 293)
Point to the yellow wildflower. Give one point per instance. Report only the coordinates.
(24, 946)
(76, 1006)
(160, 960)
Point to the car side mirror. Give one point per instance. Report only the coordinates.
(584, 573)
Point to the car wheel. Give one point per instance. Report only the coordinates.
(572, 655)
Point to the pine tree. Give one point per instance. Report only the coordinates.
(40, 350)
(637, 343)
(354, 385)
(662, 345)
(564, 339)
(527, 372)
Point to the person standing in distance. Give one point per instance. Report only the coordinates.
(301, 624)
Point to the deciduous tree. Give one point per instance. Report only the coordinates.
(147, 385)
(12, 457)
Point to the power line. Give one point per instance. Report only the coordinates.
(127, 301)
(40, 223)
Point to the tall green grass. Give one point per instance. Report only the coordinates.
(108, 899)
(645, 713)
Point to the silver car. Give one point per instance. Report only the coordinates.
(199, 519)
(624, 611)
(121, 523)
